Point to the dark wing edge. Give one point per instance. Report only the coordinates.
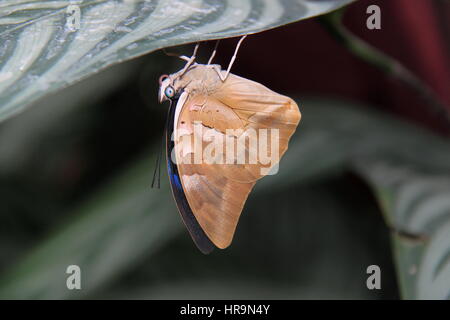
(199, 237)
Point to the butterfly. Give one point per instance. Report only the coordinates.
(208, 104)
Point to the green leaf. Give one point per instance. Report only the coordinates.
(43, 49)
(417, 204)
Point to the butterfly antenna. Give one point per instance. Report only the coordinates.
(159, 156)
(214, 52)
(157, 168)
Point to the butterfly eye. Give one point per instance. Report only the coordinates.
(169, 92)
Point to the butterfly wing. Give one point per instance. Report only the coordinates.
(259, 107)
(198, 235)
(216, 193)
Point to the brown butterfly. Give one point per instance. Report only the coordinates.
(208, 105)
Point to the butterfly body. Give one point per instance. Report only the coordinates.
(210, 195)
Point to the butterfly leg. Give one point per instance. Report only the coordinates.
(223, 78)
(190, 60)
(213, 53)
(219, 72)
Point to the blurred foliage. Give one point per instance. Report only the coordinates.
(417, 204)
(384, 62)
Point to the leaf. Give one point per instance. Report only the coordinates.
(43, 50)
(417, 204)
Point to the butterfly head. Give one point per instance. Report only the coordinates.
(171, 86)
(166, 89)
(193, 79)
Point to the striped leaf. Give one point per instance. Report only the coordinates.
(46, 45)
(417, 206)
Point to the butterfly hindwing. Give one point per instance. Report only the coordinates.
(198, 235)
(216, 193)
